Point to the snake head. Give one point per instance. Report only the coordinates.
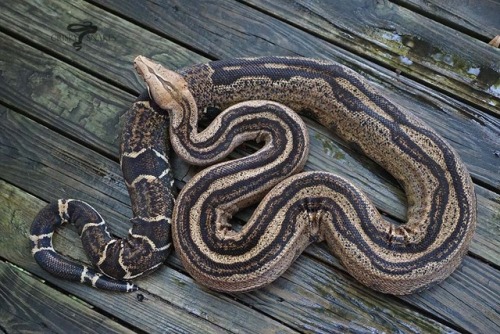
(167, 88)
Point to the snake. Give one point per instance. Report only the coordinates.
(256, 99)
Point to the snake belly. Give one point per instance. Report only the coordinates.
(312, 206)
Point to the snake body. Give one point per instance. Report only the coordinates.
(149, 180)
(306, 207)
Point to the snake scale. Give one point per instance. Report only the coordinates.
(299, 208)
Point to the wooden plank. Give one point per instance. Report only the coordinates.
(108, 55)
(482, 284)
(472, 286)
(449, 117)
(98, 59)
(29, 305)
(445, 300)
(401, 39)
(166, 284)
(95, 123)
(379, 30)
(478, 17)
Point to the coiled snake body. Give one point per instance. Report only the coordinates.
(300, 209)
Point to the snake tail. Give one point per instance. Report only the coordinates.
(149, 180)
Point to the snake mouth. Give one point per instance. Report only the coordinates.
(144, 67)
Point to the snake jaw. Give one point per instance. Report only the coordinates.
(166, 87)
(157, 81)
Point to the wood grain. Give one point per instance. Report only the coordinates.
(379, 30)
(108, 55)
(29, 305)
(477, 17)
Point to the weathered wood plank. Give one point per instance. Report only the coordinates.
(472, 284)
(415, 45)
(442, 300)
(33, 145)
(448, 116)
(482, 284)
(380, 30)
(479, 16)
(108, 54)
(317, 278)
(26, 150)
(29, 305)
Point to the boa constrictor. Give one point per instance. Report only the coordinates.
(299, 209)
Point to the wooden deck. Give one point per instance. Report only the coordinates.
(60, 112)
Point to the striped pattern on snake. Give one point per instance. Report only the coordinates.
(314, 206)
(301, 209)
(149, 180)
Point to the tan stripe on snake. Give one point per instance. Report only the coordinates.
(298, 210)
(314, 206)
